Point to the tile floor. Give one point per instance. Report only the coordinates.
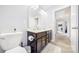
(61, 44)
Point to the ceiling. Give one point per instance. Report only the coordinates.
(35, 9)
(49, 7)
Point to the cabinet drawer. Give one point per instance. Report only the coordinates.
(41, 34)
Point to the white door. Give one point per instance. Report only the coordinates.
(74, 28)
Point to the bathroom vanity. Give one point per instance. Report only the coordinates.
(38, 39)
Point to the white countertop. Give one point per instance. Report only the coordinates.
(38, 30)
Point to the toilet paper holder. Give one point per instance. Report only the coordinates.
(30, 38)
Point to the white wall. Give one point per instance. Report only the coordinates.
(13, 17)
(74, 24)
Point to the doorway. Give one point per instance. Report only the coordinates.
(63, 27)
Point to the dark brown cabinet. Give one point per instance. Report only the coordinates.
(39, 44)
(40, 40)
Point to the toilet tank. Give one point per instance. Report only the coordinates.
(11, 40)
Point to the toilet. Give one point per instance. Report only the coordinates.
(11, 42)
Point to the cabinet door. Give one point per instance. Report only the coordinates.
(33, 47)
(39, 45)
(44, 41)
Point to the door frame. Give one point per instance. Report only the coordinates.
(54, 21)
(74, 45)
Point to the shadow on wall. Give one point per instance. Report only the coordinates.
(1, 50)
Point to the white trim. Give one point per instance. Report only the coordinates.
(74, 37)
